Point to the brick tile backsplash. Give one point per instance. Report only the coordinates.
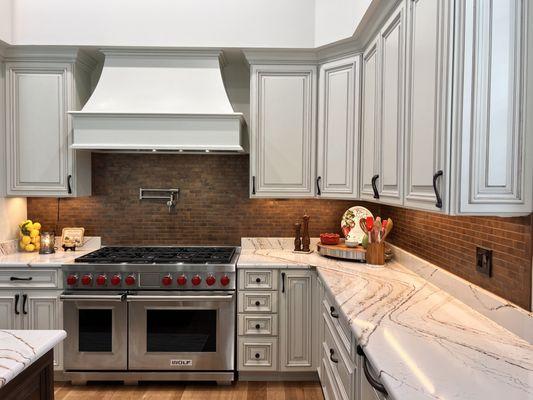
(214, 208)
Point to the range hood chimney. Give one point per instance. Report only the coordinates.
(159, 100)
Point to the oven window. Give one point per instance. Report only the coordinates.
(95, 330)
(178, 331)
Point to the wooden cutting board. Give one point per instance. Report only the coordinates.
(342, 251)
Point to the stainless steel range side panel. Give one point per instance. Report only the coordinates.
(117, 358)
(220, 360)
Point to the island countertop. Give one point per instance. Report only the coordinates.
(425, 343)
(20, 348)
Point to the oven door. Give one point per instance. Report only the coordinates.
(181, 331)
(96, 325)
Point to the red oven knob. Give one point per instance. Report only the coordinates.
(72, 279)
(86, 279)
(115, 280)
(130, 280)
(196, 280)
(210, 280)
(182, 280)
(224, 280)
(167, 280)
(101, 280)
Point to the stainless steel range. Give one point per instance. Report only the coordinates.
(150, 313)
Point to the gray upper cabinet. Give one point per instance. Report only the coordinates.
(338, 122)
(492, 174)
(428, 98)
(383, 112)
(283, 139)
(40, 90)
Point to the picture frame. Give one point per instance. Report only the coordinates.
(73, 236)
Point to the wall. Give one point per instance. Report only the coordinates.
(6, 16)
(200, 23)
(214, 208)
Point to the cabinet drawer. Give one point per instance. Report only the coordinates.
(341, 365)
(255, 302)
(263, 325)
(258, 354)
(340, 323)
(328, 384)
(257, 279)
(29, 278)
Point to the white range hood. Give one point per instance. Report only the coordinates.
(159, 100)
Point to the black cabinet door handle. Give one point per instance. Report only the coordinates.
(374, 187)
(17, 304)
(318, 192)
(257, 326)
(69, 184)
(258, 280)
(331, 352)
(257, 355)
(257, 303)
(333, 313)
(24, 301)
(253, 184)
(373, 381)
(436, 176)
(283, 282)
(16, 278)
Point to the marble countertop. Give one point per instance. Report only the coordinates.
(425, 343)
(19, 349)
(60, 257)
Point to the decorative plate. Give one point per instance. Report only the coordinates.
(350, 223)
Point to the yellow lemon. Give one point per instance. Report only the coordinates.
(34, 232)
(36, 239)
(36, 225)
(37, 246)
(22, 245)
(29, 247)
(26, 240)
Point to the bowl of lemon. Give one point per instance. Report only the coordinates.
(30, 236)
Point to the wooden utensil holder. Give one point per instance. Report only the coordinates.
(375, 253)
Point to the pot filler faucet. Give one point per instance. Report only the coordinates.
(171, 195)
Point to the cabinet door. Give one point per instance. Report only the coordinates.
(37, 131)
(338, 110)
(10, 309)
(370, 120)
(296, 313)
(493, 174)
(43, 311)
(392, 60)
(428, 103)
(283, 101)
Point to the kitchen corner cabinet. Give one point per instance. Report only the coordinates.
(40, 90)
(428, 94)
(493, 172)
(283, 140)
(338, 133)
(383, 113)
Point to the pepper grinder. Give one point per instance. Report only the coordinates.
(306, 241)
(297, 239)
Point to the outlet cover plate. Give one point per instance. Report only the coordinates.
(484, 261)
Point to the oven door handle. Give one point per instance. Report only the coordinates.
(141, 297)
(102, 297)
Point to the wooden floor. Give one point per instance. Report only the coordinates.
(191, 391)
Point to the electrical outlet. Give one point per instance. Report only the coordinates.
(484, 261)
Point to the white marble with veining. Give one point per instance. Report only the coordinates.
(20, 348)
(425, 343)
(60, 257)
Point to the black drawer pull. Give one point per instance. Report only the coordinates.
(374, 187)
(373, 381)
(257, 326)
(16, 278)
(331, 352)
(17, 304)
(257, 355)
(24, 301)
(436, 176)
(257, 303)
(333, 313)
(258, 280)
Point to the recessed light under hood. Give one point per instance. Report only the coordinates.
(159, 100)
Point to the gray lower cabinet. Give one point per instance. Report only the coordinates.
(31, 304)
